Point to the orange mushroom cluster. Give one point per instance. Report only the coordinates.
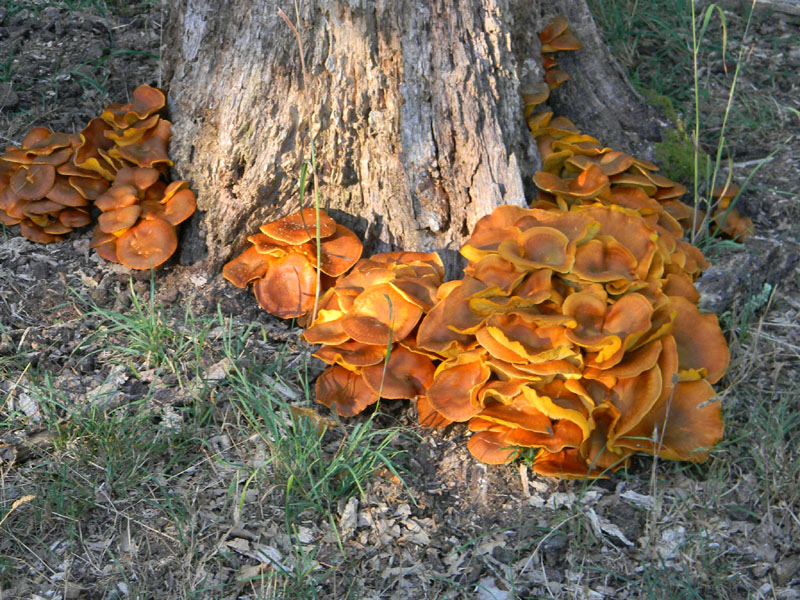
(367, 330)
(117, 163)
(41, 190)
(139, 214)
(556, 37)
(283, 262)
(575, 332)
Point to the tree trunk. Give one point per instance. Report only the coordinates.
(412, 110)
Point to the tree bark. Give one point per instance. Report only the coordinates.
(412, 110)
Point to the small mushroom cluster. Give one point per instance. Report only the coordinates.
(139, 214)
(41, 190)
(283, 262)
(366, 328)
(556, 37)
(569, 334)
(117, 163)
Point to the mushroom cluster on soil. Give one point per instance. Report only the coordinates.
(283, 259)
(117, 163)
(574, 331)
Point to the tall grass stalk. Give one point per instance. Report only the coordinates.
(712, 172)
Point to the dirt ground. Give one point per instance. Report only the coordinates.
(457, 528)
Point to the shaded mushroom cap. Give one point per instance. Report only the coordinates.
(456, 383)
(116, 197)
(300, 227)
(35, 233)
(74, 218)
(140, 178)
(345, 390)
(288, 288)
(88, 187)
(87, 155)
(688, 423)
(352, 354)
(554, 28)
(246, 267)
(566, 464)
(34, 136)
(65, 194)
(119, 220)
(702, 349)
(339, 251)
(428, 416)
(490, 446)
(33, 182)
(147, 244)
(180, 207)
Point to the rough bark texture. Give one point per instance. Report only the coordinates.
(414, 109)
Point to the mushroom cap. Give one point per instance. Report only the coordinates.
(554, 28)
(65, 194)
(87, 155)
(700, 342)
(35, 233)
(180, 207)
(352, 354)
(687, 421)
(428, 416)
(344, 389)
(89, 187)
(300, 227)
(33, 182)
(140, 178)
(381, 315)
(147, 244)
(152, 149)
(288, 288)
(566, 464)
(108, 251)
(120, 219)
(41, 207)
(134, 133)
(490, 446)
(74, 218)
(146, 101)
(456, 384)
(405, 375)
(34, 136)
(246, 267)
(116, 197)
(326, 328)
(339, 251)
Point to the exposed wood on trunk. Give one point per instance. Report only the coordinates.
(414, 108)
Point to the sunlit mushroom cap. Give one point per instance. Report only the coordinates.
(339, 251)
(288, 288)
(300, 227)
(152, 149)
(147, 244)
(146, 101)
(246, 267)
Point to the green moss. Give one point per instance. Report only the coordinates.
(674, 154)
